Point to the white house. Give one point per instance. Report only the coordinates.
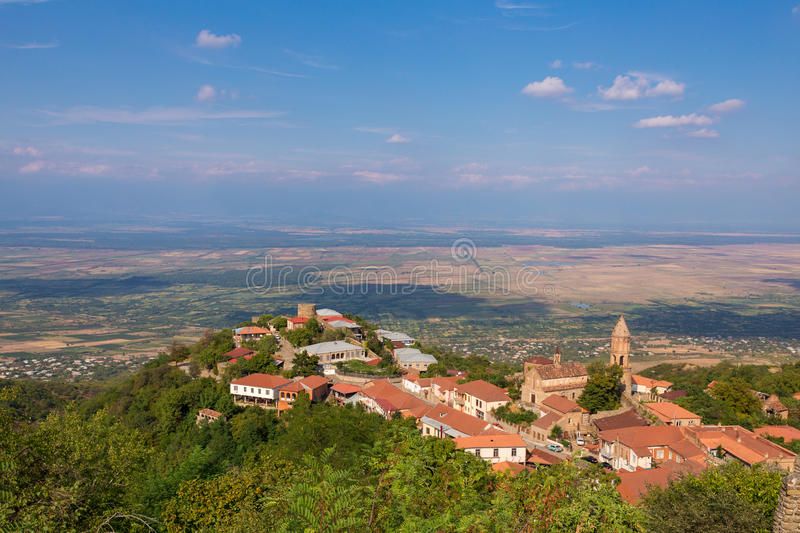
(497, 448)
(395, 337)
(257, 389)
(334, 352)
(411, 358)
(477, 398)
(416, 385)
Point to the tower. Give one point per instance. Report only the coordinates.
(621, 351)
(557, 356)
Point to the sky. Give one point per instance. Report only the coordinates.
(606, 114)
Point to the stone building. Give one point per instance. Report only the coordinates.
(544, 377)
(621, 352)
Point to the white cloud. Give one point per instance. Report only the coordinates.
(640, 171)
(704, 133)
(636, 85)
(206, 93)
(377, 177)
(732, 104)
(27, 151)
(32, 168)
(556, 63)
(398, 139)
(206, 39)
(550, 87)
(154, 115)
(33, 45)
(672, 121)
(585, 65)
(93, 170)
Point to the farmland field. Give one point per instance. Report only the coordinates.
(81, 302)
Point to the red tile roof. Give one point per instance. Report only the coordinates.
(633, 486)
(298, 319)
(238, 352)
(561, 404)
(650, 382)
(564, 370)
(266, 381)
(787, 433)
(314, 382)
(508, 467)
(541, 457)
(625, 419)
(668, 411)
(640, 439)
(211, 413)
(547, 421)
(506, 440)
(739, 442)
(345, 388)
(538, 360)
(294, 386)
(375, 361)
(403, 401)
(252, 330)
(462, 422)
(483, 390)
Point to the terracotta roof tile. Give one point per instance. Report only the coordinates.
(668, 411)
(345, 388)
(560, 403)
(266, 381)
(564, 370)
(506, 440)
(650, 382)
(625, 419)
(483, 390)
(787, 433)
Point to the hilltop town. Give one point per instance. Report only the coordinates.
(552, 411)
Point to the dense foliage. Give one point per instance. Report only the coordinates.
(602, 391)
(516, 416)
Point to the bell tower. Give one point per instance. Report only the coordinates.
(621, 351)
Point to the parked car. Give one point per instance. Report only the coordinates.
(606, 465)
(555, 447)
(590, 459)
(579, 440)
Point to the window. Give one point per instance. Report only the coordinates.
(478, 453)
(513, 452)
(496, 453)
(236, 388)
(659, 454)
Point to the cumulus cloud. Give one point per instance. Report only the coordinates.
(155, 115)
(636, 85)
(377, 177)
(550, 87)
(32, 168)
(398, 139)
(672, 121)
(27, 151)
(206, 39)
(732, 104)
(206, 93)
(704, 133)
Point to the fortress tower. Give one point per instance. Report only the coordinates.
(621, 351)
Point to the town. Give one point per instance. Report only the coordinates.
(548, 415)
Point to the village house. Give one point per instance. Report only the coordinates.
(634, 485)
(248, 334)
(441, 421)
(479, 398)
(340, 322)
(416, 385)
(625, 419)
(645, 447)
(672, 414)
(411, 358)
(315, 387)
(773, 406)
(443, 389)
(206, 416)
(647, 389)
(296, 322)
(544, 377)
(257, 389)
(538, 458)
(569, 413)
(542, 428)
(738, 443)
(380, 396)
(495, 448)
(342, 392)
(334, 352)
(397, 338)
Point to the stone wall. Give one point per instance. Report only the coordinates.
(787, 515)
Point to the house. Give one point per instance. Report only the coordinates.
(738, 443)
(236, 353)
(206, 416)
(634, 485)
(328, 313)
(645, 447)
(478, 398)
(673, 414)
(296, 322)
(248, 334)
(340, 322)
(568, 412)
(334, 351)
(648, 389)
(543, 377)
(789, 434)
(258, 389)
(541, 428)
(538, 457)
(341, 392)
(443, 389)
(506, 467)
(773, 406)
(672, 395)
(411, 358)
(315, 387)
(495, 448)
(416, 385)
(441, 421)
(382, 397)
(397, 338)
(625, 419)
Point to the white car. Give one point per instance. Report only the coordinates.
(579, 440)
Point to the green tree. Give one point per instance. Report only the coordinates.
(304, 364)
(279, 322)
(264, 321)
(602, 391)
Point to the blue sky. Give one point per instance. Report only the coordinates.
(559, 113)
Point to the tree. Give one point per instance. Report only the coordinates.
(279, 322)
(732, 497)
(264, 321)
(737, 394)
(602, 391)
(304, 364)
